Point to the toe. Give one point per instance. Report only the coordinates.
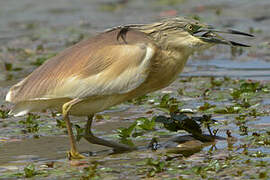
(75, 155)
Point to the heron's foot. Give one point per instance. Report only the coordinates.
(74, 155)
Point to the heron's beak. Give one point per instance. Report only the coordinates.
(211, 35)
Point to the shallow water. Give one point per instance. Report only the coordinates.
(251, 69)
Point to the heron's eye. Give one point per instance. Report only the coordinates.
(190, 28)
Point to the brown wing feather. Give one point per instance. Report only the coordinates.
(85, 59)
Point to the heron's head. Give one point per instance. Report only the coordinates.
(189, 34)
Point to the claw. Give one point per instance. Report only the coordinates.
(74, 155)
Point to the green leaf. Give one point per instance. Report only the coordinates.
(145, 123)
(29, 171)
(206, 106)
(4, 113)
(126, 132)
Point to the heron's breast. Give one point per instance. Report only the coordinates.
(166, 69)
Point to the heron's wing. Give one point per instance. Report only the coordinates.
(128, 69)
(99, 66)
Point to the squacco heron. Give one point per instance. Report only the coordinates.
(117, 65)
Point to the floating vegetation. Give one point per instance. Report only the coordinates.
(4, 113)
(91, 172)
(170, 2)
(31, 124)
(164, 118)
(40, 60)
(138, 128)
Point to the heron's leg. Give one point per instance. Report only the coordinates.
(88, 135)
(73, 154)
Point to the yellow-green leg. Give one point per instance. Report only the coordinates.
(73, 153)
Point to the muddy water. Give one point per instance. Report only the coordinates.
(31, 29)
